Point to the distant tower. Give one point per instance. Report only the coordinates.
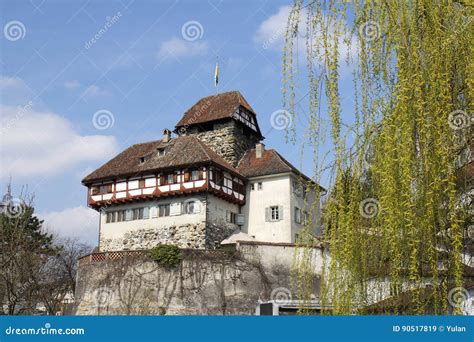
(225, 122)
(7, 199)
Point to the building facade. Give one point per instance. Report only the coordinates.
(210, 180)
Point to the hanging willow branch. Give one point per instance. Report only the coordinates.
(394, 219)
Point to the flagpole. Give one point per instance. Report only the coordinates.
(216, 75)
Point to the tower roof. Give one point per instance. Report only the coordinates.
(215, 107)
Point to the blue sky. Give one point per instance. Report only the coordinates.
(143, 67)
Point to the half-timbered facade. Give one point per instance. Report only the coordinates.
(193, 188)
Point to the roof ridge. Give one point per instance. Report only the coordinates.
(202, 147)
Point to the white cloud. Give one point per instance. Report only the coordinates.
(71, 84)
(94, 91)
(14, 90)
(271, 34)
(176, 47)
(35, 143)
(80, 222)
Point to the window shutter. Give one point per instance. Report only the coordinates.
(153, 212)
(267, 214)
(186, 176)
(175, 178)
(162, 179)
(280, 213)
(109, 188)
(197, 207)
(146, 213)
(201, 174)
(128, 215)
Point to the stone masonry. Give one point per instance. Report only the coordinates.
(228, 139)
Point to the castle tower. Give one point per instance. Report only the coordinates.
(225, 122)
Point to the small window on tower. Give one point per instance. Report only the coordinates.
(252, 186)
(260, 186)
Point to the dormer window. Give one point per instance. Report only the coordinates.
(161, 152)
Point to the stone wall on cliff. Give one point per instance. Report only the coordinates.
(207, 282)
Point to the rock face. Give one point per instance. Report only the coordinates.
(228, 139)
(207, 282)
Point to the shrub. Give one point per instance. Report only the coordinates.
(166, 255)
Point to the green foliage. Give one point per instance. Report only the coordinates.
(166, 255)
(413, 95)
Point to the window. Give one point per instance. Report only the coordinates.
(195, 175)
(259, 186)
(231, 217)
(297, 215)
(274, 213)
(164, 210)
(252, 186)
(228, 183)
(190, 207)
(161, 152)
(120, 215)
(103, 189)
(110, 217)
(171, 178)
(141, 183)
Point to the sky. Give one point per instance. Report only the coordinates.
(82, 80)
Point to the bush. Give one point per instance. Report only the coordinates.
(166, 255)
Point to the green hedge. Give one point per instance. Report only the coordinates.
(166, 255)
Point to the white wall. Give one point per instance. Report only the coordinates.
(216, 211)
(275, 192)
(118, 229)
(307, 203)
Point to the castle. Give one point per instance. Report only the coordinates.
(212, 182)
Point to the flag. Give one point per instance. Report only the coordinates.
(216, 75)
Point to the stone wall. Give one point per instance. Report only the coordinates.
(184, 236)
(205, 283)
(228, 139)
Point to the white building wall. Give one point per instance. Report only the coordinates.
(185, 230)
(275, 192)
(308, 203)
(278, 190)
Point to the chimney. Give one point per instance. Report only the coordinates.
(259, 149)
(166, 135)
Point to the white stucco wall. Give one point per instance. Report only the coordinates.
(275, 192)
(118, 229)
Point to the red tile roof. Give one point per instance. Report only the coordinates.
(180, 152)
(271, 163)
(215, 107)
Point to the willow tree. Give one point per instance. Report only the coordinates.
(393, 219)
